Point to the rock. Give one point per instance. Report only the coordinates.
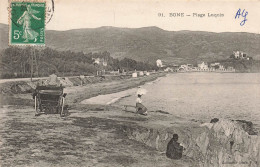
(219, 144)
(214, 120)
(203, 142)
(66, 82)
(247, 126)
(226, 143)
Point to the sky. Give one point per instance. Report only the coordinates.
(75, 14)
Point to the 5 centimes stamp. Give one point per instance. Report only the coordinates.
(27, 23)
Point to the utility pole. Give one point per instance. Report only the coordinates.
(36, 57)
(63, 69)
(31, 56)
(34, 63)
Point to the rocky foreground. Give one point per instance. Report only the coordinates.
(96, 135)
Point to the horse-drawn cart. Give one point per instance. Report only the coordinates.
(49, 100)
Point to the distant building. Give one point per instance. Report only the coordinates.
(134, 75)
(96, 60)
(236, 54)
(168, 69)
(240, 55)
(214, 64)
(99, 61)
(221, 67)
(203, 66)
(186, 67)
(230, 69)
(159, 63)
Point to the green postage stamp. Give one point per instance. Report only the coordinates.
(27, 23)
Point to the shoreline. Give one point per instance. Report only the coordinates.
(105, 88)
(117, 95)
(76, 93)
(99, 135)
(77, 130)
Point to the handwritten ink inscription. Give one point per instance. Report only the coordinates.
(243, 15)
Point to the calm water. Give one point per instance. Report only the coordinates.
(204, 96)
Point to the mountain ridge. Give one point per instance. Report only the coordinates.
(148, 44)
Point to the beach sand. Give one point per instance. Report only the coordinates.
(92, 134)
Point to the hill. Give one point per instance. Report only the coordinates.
(242, 65)
(151, 43)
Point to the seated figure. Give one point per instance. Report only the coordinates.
(53, 79)
(141, 109)
(174, 149)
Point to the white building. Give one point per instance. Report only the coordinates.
(203, 66)
(134, 75)
(99, 61)
(96, 60)
(184, 67)
(236, 54)
(221, 67)
(240, 55)
(159, 63)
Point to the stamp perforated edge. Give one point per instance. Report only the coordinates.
(10, 23)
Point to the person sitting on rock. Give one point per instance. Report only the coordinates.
(174, 149)
(141, 109)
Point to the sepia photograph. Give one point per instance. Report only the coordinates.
(129, 83)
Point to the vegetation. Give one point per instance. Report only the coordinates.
(17, 62)
(241, 65)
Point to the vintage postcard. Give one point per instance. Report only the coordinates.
(138, 83)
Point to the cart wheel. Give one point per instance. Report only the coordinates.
(62, 106)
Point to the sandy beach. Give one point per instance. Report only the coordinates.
(96, 134)
(92, 135)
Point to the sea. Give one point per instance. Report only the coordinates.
(199, 96)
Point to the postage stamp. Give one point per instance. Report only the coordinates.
(27, 23)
